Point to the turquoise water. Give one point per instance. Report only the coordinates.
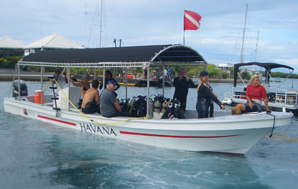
(41, 155)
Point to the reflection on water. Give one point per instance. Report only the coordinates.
(108, 163)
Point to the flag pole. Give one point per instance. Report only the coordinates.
(183, 37)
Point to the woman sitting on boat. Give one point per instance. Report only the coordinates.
(255, 93)
(206, 97)
(84, 86)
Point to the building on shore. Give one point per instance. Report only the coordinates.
(54, 41)
(9, 43)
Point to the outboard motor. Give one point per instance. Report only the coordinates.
(23, 87)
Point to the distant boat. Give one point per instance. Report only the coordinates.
(279, 99)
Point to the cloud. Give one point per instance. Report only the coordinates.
(149, 22)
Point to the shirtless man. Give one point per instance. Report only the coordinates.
(84, 86)
(91, 100)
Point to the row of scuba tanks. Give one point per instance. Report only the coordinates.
(165, 108)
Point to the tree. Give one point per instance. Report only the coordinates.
(213, 71)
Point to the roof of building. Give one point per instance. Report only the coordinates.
(9, 43)
(53, 41)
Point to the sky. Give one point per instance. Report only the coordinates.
(158, 22)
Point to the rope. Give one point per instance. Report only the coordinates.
(273, 124)
(88, 118)
(43, 90)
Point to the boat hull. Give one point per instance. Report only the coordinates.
(226, 134)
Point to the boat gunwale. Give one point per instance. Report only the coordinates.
(215, 120)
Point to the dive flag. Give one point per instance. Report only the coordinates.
(191, 20)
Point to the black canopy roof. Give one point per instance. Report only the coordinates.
(267, 66)
(135, 56)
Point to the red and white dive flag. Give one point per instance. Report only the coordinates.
(191, 20)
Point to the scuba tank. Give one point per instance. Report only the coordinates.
(151, 107)
(156, 106)
(168, 114)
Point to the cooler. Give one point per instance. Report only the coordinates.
(37, 96)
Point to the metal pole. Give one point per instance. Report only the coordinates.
(257, 46)
(163, 81)
(126, 83)
(19, 84)
(148, 90)
(100, 32)
(68, 82)
(183, 37)
(103, 79)
(243, 37)
(41, 83)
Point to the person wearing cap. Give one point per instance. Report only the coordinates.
(181, 84)
(109, 77)
(84, 86)
(206, 97)
(91, 99)
(109, 107)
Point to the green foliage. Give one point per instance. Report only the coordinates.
(245, 75)
(195, 71)
(283, 75)
(9, 57)
(213, 71)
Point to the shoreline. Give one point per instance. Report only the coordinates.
(36, 77)
(9, 74)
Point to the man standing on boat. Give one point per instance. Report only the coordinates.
(181, 84)
(60, 78)
(109, 77)
(91, 99)
(109, 107)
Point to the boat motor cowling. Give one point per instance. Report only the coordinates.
(23, 87)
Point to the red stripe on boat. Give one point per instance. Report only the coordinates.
(174, 136)
(57, 120)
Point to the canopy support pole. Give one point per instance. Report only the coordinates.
(103, 78)
(163, 80)
(19, 83)
(68, 82)
(148, 91)
(41, 84)
(126, 80)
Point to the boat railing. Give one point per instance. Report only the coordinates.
(286, 97)
(239, 92)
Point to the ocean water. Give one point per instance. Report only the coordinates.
(35, 154)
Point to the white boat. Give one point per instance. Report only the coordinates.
(223, 133)
(279, 99)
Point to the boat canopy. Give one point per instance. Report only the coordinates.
(134, 56)
(267, 66)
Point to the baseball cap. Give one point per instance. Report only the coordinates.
(111, 82)
(204, 73)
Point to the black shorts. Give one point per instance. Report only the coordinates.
(256, 108)
(90, 108)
